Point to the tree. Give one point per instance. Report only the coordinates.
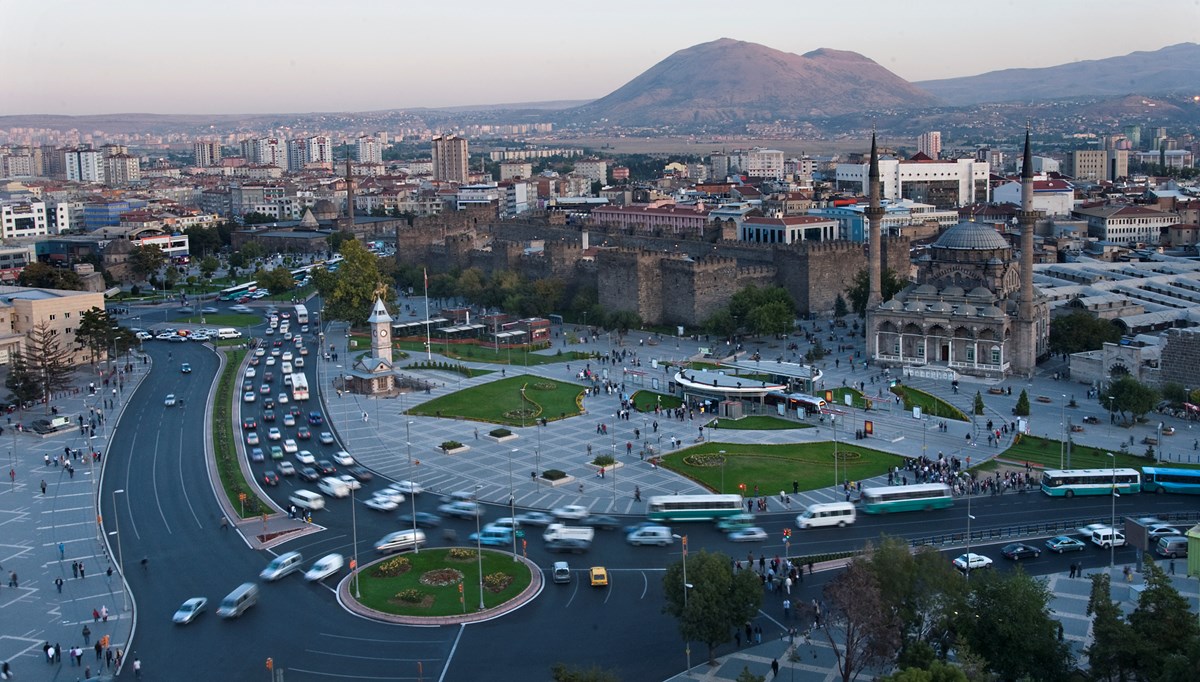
(336, 239)
(921, 590)
(1022, 408)
(208, 266)
(96, 330)
(146, 261)
(1112, 641)
(276, 280)
(747, 676)
(889, 283)
(839, 307)
(1081, 331)
(1009, 612)
(622, 321)
(350, 292)
(237, 260)
(1127, 394)
(49, 360)
(937, 671)
(561, 672)
(22, 381)
(1161, 624)
(978, 403)
(38, 274)
(775, 317)
(204, 240)
(252, 251)
(256, 218)
(721, 323)
(861, 631)
(718, 601)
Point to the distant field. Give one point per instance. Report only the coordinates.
(681, 145)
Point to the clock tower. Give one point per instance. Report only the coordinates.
(381, 332)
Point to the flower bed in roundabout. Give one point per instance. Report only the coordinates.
(438, 582)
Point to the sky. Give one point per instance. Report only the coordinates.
(259, 56)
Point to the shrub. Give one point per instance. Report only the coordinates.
(451, 445)
(499, 433)
(604, 460)
(411, 595)
(1022, 409)
(497, 581)
(461, 553)
(554, 474)
(393, 567)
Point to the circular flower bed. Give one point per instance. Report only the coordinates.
(844, 455)
(441, 577)
(543, 385)
(704, 460)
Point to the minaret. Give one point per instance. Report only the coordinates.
(874, 214)
(1024, 351)
(381, 328)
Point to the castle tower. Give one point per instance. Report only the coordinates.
(1024, 352)
(874, 214)
(381, 329)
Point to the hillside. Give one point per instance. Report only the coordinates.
(731, 81)
(1172, 69)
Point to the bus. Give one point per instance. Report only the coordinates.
(299, 386)
(1162, 480)
(1072, 482)
(898, 498)
(693, 507)
(301, 314)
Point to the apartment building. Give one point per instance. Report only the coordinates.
(595, 170)
(368, 150)
(23, 219)
(207, 153)
(450, 158)
(1126, 224)
(515, 170)
(1097, 165)
(83, 165)
(22, 309)
(121, 170)
(930, 144)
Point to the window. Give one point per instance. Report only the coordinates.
(995, 355)
(970, 353)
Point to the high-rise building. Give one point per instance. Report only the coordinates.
(450, 158)
(121, 170)
(1098, 165)
(207, 153)
(84, 165)
(930, 144)
(272, 151)
(23, 219)
(297, 154)
(319, 149)
(368, 150)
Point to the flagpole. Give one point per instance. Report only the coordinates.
(428, 344)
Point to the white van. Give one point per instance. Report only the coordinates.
(237, 602)
(830, 514)
(333, 487)
(1108, 537)
(307, 499)
(400, 541)
(650, 535)
(281, 566)
(561, 572)
(228, 333)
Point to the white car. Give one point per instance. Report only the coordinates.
(325, 567)
(573, 512)
(251, 373)
(199, 337)
(283, 398)
(285, 469)
(287, 357)
(303, 350)
(290, 447)
(299, 362)
(350, 481)
(170, 400)
(270, 331)
(535, 518)
(252, 438)
(326, 438)
(391, 494)
(383, 504)
(270, 361)
(305, 457)
(343, 458)
(259, 352)
(249, 397)
(144, 336)
(165, 336)
(189, 610)
(409, 487)
(274, 433)
(972, 561)
(754, 534)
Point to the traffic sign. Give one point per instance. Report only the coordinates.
(520, 533)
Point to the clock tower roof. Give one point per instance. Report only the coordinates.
(379, 313)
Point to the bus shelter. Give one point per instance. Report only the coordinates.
(710, 389)
(798, 378)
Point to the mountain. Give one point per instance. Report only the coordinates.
(728, 81)
(1172, 69)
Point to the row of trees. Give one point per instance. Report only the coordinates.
(758, 311)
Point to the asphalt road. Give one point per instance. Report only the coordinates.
(167, 513)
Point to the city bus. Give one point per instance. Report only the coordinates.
(1072, 482)
(693, 507)
(898, 498)
(1162, 480)
(301, 314)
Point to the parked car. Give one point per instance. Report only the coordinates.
(1019, 550)
(1161, 530)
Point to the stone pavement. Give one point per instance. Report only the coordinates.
(47, 534)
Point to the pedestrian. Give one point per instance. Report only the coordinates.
(775, 667)
(49, 653)
(81, 570)
(1072, 575)
(62, 550)
(787, 608)
(787, 585)
(58, 582)
(1172, 565)
(87, 635)
(99, 650)
(737, 637)
(12, 579)
(103, 614)
(5, 671)
(95, 615)
(137, 666)
(75, 568)
(43, 486)
(108, 657)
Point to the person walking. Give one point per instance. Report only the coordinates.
(137, 667)
(58, 582)
(775, 667)
(12, 579)
(43, 487)
(62, 551)
(87, 635)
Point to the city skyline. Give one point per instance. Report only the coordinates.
(310, 56)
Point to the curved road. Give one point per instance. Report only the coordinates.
(167, 513)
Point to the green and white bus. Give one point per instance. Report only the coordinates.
(899, 498)
(1072, 482)
(693, 507)
(1165, 480)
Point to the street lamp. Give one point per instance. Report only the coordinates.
(722, 472)
(478, 545)
(687, 645)
(412, 497)
(512, 503)
(833, 422)
(354, 539)
(120, 554)
(969, 520)
(1062, 430)
(1112, 544)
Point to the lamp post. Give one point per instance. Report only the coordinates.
(120, 554)
(722, 472)
(969, 520)
(833, 422)
(1112, 524)
(687, 645)
(1062, 444)
(537, 457)
(512, 503)
(478, 545)
(354, 539)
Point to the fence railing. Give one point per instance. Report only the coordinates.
(1033, 530)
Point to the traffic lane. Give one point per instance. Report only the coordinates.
(1091, 557)
(620, 628)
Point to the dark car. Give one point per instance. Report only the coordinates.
(249, 423)
(270, 478)
(1019, 550)
(310, 474)
(564, 545)
(360, 473)
(602, 522)
(247, 386)
(315, 418)
(185, 368)
(424, 520)
(295, 411)
(269, 415)
(269, 404)
(1064, 543)
(326, 467)
(303, 433)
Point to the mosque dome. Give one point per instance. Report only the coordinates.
(325, 210)
(971, 236)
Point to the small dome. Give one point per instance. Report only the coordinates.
(940, 307)
(893, 304)
(925, 290)
(953, 291)
(912, 307)
(971, 236)
(980, 292)
(325, 210)
(990, 311)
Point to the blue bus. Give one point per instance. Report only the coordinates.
(1072, 482)
(1162, 480)
(901, 498)
(693, 507)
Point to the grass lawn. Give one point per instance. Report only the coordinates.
(773, 467)
(222, 320)
(505, 356)
(499, 402)
(380, 593)
(1045, 451)
(929, 404)
(232, 480)
(645, 401)
(760, 423)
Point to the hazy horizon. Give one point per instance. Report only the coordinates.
(305, 56)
